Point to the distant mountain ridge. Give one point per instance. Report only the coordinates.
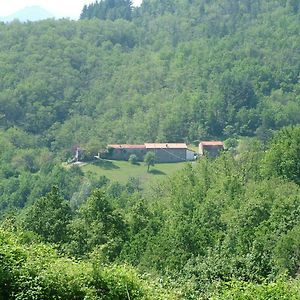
(30, 13)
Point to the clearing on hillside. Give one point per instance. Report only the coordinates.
(121, 171)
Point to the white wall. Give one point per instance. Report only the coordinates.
(190, 155)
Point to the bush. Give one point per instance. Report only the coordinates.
(133, 159)
(36, 271)
(280, 289)
(149, 159)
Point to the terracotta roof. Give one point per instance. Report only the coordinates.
(126, 146)
(212, 143)
(165, 145)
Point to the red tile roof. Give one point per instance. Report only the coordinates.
(126, 146)
(166, 146)
(150, 146)
(212, 143)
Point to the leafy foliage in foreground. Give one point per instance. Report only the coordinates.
(31, 270)
(283, 157)
(281, 290)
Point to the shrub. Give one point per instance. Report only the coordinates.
(36, 271)
(133, 159)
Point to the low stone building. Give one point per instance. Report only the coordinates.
(164, 152)
(123, 151)
(210, 148)
(168, 152)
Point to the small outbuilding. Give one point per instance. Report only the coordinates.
(210, 148)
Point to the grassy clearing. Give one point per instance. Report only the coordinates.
(193, 147)
(122, 170)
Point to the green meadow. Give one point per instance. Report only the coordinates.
(121, 171)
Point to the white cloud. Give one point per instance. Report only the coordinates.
(62, 8)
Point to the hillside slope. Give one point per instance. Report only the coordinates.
(179, 70)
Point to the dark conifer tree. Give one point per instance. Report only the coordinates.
(108, 9)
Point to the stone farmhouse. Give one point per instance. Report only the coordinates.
(164, 152)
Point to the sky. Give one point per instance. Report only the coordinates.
(60, 8)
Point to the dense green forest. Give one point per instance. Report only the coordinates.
(219, 229)
(172, 71)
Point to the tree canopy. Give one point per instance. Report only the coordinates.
(108, 10)
(176, 71)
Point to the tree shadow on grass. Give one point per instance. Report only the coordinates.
(157, 172)
(105, 164)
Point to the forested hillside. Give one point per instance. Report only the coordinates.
(179, 70)
(169, 71)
